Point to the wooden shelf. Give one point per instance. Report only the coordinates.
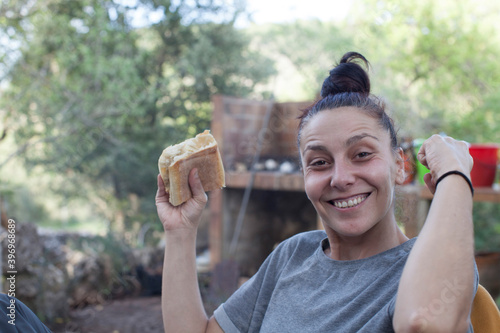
(273, 181)
(487, 194)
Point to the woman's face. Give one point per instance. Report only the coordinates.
(350, 170)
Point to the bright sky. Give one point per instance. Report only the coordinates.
(266, 11)
(289, 10)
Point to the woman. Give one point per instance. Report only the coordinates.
(361, 274)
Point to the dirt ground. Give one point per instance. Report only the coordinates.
(142, 314)
(130, 315)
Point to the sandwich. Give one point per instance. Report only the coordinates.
(178, 160)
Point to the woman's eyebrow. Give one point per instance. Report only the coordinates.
(315, 148)
(354, 139)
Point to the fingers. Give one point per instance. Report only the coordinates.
(441, 154)
(161, 185)
(429, 183)
(421, 156)
(197, 187)
(185, 216)
(193, 208)
(161, 195)
(194, 183)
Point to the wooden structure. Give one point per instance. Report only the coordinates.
(244, 128)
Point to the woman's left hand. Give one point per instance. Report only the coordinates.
(441, 154)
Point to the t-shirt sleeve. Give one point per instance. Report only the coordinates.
(245, 309)
(224, 321)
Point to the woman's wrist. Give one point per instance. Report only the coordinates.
(180, 235)
(456, 173)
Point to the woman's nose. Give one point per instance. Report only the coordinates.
(342, 175)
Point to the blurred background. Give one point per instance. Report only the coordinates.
(91, 92)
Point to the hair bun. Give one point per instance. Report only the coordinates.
(347, 76)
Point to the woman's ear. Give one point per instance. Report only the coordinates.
(400, 165)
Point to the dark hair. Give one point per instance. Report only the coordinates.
(349, 85)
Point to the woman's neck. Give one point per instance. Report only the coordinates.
(378, 239)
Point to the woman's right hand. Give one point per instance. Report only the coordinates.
(187, 215)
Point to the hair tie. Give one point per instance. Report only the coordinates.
(455, 172)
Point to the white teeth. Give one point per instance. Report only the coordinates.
(350, 202)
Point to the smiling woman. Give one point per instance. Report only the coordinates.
(350, 180)
(351, 162)
(361, 274)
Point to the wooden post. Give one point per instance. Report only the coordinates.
(215, 204)
(215, 228)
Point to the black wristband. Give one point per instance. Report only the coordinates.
(455, 172)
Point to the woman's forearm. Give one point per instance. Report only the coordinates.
(436, 288)
(181, 300)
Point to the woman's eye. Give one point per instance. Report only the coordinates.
(318, 163)
(363, 154)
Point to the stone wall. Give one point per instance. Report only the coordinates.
(57, 272)
(41, 278)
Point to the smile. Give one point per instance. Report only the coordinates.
(348, 203)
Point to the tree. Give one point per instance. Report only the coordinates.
(305, 51)
(96, 99)
(435, 61)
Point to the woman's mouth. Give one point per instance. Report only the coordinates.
(351, 202)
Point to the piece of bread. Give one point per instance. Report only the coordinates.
(176, 162)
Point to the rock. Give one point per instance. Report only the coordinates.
(91, 280)
(41, 278)
(28, 244)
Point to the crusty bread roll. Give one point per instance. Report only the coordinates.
(176, 162)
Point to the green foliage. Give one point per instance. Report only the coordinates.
(96, 99)
(310, 48)
(481, 125)
(20, 199)
(434, 60)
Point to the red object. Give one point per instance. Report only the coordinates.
(409, 167)
(485, 164)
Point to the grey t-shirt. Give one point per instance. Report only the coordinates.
(300, 289)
